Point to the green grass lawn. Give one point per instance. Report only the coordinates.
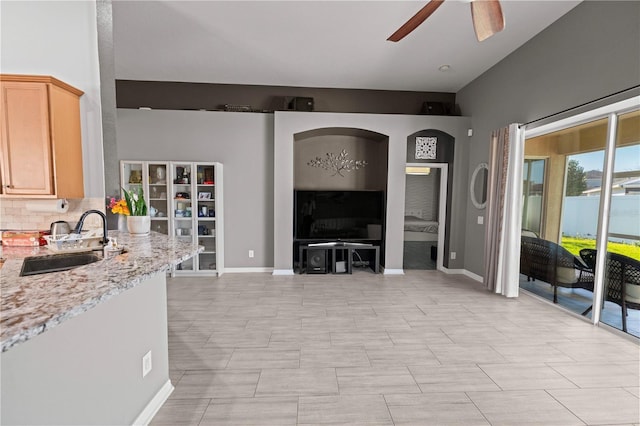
(574, 244)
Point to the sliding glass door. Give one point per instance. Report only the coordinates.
(621, 308)
(581, 192)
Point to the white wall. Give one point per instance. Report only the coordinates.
(59, 38)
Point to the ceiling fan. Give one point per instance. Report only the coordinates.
(486, 15)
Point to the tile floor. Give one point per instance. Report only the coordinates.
(578, 300)
(420, 349)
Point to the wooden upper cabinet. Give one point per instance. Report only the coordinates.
(41, 145)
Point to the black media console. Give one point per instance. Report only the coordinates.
(336, 257)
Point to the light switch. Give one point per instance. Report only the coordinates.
(480, 220)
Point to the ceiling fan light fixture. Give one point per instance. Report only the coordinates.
(487, 18)
(486, 15)
(416, 20)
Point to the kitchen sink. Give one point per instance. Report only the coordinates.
(57, 262)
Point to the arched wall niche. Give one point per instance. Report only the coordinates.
(444, 153)
(359, 145)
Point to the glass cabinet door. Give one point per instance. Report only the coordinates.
(184, 200)
(182, 207)
(157, 196)
(206, 215)
(132, 175)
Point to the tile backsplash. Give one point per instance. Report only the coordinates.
(14, 214)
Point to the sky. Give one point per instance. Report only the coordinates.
(627, 159)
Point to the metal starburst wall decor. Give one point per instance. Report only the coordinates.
(337, 163)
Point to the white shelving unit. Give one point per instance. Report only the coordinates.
(197, 214)
(188, 199)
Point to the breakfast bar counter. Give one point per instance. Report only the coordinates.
(88, 345)
(32, 304)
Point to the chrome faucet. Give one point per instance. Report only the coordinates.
(78, 228)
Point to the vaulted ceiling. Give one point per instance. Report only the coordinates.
(337, 44)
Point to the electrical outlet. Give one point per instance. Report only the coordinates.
(146, 364)
(453, 255)
(251, 254)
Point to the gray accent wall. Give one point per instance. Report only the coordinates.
(591, 52)
(257, 151)
(242, 142)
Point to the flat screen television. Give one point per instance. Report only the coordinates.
(338, 215)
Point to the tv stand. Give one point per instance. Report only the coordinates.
(340, 244)
(331, 251)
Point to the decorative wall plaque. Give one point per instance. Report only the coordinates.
(426, 148)
(337, 163)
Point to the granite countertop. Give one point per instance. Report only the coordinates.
(30, 305)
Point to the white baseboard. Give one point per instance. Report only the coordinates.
(247, 270)
(473, 276)
(387, 271)
(463, 272)
(145, 417)
(283, 272)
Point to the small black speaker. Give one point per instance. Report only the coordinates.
(434, 108)
(316, 261)
(301, 104)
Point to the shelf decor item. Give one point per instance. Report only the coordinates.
(135, 202)
(426, 148)
(134, 207)
(337, 163)
(138, 222)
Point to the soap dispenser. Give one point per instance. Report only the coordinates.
(111, 249)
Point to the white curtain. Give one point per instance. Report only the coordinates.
(504, 211)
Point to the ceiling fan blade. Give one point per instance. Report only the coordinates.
(416, 20)
(487, 18)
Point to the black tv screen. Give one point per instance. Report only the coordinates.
(338, 215)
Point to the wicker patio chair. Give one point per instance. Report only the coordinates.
(588, 256)
(622, 283)
(547, 261)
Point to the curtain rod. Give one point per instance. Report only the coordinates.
(520, 126)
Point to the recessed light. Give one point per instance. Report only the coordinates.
(444, 68)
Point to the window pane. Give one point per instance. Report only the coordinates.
(533, 190)
(562, 169)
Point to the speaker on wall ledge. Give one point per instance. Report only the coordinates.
(301, 104)
(316, 261)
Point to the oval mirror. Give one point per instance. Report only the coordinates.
(478, 187)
